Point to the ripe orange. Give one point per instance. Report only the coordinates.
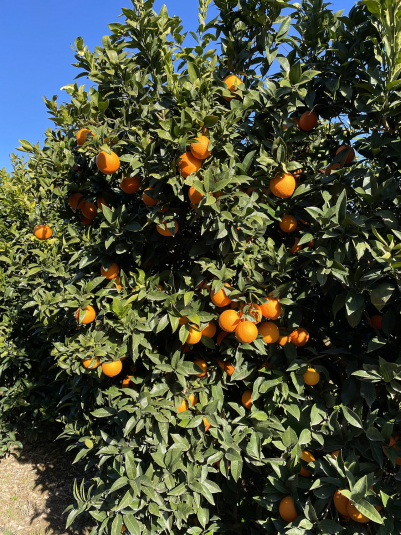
(282, 340)
(100, 203)
(185, 348)
(89, 210)
(107, 163)
(210, 330)
(149, 201)
(229, 368)
(254, 310)
(271, 308)
(164, 231)
(246, 399)
(392, 445)
(332, 167)
(310, 244)
(183, 406)
(340, 502)
(295, 248)
(355, 514)
(269, 331)
(127, 382)
(288, 223)
(299, 337)
(221, 364)
(334, 454)
(221, 336)
(203, 366)
(199, 149)
(194, 335)
(111, 369)
(110, 273)
(311, 377)
(130, 184)
(246, 332)
(42, 232)
(76, 201)
(87, 362)
(188, 164)
(85, 221)
(82, 135)
(183, 320)
(283, 186)
(229, 320)
(123, 528)
(308, 121)
(206, 424)
(307, 457)
(287, 509)
(232, 81)
(194, 195)
(90, 314)
(376, 321)
(350, 155)
(220, 298)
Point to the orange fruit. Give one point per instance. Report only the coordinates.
(149, 201)
(127, 382)
(42, 232)
(282, 340)
(194, 195)
(299, 337)
(295, 248)
(288, 223)
(334, 454)
(246, 332)
(87, 362)
(199, 149)
(221, 364)
(229, 321)
(269, 331)
(206, 424)
(246, 399)
(332, 167)
(183, 320)
(90, 314)
(308, 121)
(221, 336)
(307, 457)
(193, 398)
(82, 135)
(123, 528)
(203, 366)
(254, 310)
(183, 406)
(188, 164)
(220, 298)
(229, 368)
(76, 201)
(310, 244)
(194, 335)
(89, 210)
(130, 184)
(340, 502)
(210, 330)
(185, 348)
(287, 509)
(350, 155)
(101, 202)
(271, 308)
(355, 514)
(232, 81)
(283, 186)
(110, 273)
(392, 445)
(265, 364)
(376, 321)
(111, 369)
(311, 377)
(85, 221)
(107, 163)
(164, 231)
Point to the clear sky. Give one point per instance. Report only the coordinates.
(36, 57)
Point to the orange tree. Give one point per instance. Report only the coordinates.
(227, 326)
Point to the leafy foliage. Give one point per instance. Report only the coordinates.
(164, 470)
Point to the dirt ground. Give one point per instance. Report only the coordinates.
(36, 487)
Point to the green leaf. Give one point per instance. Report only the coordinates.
(352, 417)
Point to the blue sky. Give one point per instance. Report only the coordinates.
(36, 57)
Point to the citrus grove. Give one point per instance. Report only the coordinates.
(205, 261)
